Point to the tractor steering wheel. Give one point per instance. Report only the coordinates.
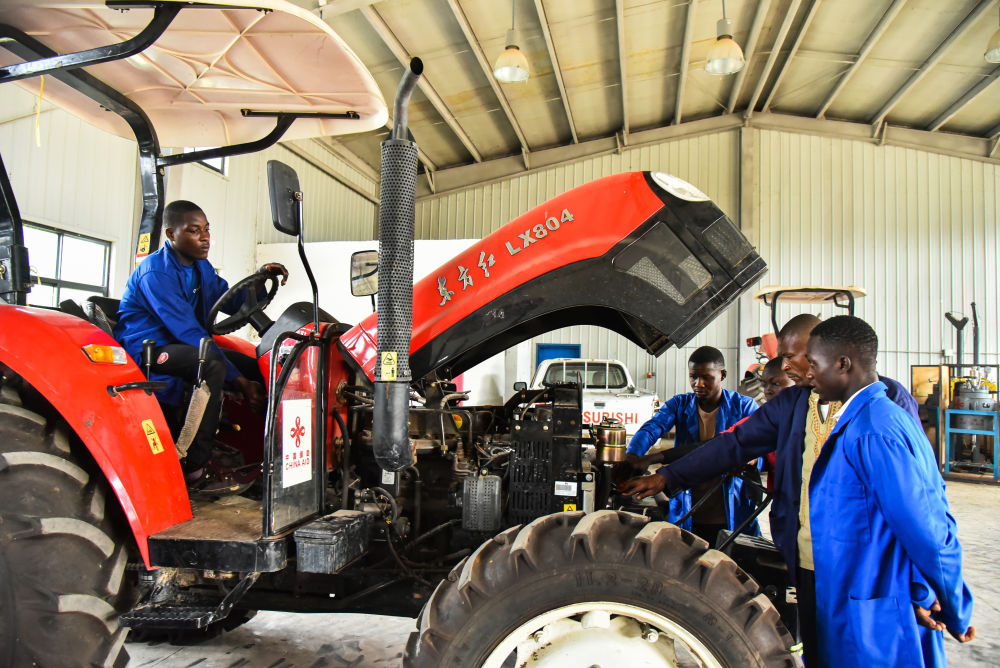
(252, 310)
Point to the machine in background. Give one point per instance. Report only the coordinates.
(958, 407)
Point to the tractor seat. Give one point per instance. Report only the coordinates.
(93, 312)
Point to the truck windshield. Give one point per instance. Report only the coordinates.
(591, 375)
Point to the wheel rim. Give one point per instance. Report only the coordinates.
(601, 634)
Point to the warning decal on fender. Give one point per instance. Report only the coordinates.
(152, 437)
(296, 441)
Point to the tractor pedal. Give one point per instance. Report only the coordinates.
(169, 617)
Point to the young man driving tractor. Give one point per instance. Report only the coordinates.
(167, 299)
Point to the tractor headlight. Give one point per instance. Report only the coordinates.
(99, 354)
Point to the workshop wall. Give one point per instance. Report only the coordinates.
(917, 230)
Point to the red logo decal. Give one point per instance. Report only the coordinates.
(162, 358)
(298, 431)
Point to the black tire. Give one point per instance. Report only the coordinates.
(62, 563)
(606, 556)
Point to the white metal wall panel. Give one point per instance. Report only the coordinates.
(917, 230)
(333, 212)
(710, 162)
(79, 179)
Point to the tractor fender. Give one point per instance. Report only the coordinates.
(126, 434)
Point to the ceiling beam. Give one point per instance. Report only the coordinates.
(334, 146)
(461, 178)
(971, 95)
(758, 24)
(385, 33)
(685, 62)
(556, 70)
(620, 22)
(791, 54)
(869, 44)
(779, 41)
(932, 60)
(484, 63)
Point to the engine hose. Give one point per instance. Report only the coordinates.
(392, 502)
(436, 530)
(417, 487)
(345, 459)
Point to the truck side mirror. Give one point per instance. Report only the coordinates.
(520, 386)
(364, 273)
(286, 198)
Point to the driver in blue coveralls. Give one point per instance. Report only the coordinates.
(167, 299)
(876, 475)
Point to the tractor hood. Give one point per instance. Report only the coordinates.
(644, 254)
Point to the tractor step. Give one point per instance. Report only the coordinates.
(224, 535)
(150, 614)
(169, 617)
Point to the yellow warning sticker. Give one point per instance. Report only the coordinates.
(388, 366)
(152, 437)
(143, 248)
(567, 507)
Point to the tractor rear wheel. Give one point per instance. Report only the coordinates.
(604, 589)
(62, 560)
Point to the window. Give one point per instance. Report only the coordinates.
(215, 164)
(65, 265)
(592, 374)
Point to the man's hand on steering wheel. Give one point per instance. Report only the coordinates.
(273, 269)
(249, 291)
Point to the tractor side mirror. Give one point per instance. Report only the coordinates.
(364, 273)
(286, 198)
(520, 386)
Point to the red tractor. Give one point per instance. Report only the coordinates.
(377, 487)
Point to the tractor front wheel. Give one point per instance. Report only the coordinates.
(62, 564)
(604, 589)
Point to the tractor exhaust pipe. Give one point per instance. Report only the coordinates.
(390, 432)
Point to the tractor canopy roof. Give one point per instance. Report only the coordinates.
(212, 63)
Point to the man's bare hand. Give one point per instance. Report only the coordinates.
(644, 486)
(970, 634)
(925, 618)
(625, 469)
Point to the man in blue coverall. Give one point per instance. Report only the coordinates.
(876, 476)
(698, 416)
(167, 299)
(782, 425)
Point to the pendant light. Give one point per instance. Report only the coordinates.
(512, 65)
(992, 54)
(726, 56)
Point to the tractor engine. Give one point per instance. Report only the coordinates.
(481, 469)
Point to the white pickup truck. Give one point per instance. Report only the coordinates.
(608, 389)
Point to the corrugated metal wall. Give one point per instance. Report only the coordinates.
(917, 230)
(78, 179)
(710, 161)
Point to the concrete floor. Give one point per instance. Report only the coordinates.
(285, 640)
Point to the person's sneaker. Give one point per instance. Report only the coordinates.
(207, 482)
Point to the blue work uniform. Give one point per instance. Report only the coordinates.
(779, 426)
(878, 512)
(165, 303)
(681, 414)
